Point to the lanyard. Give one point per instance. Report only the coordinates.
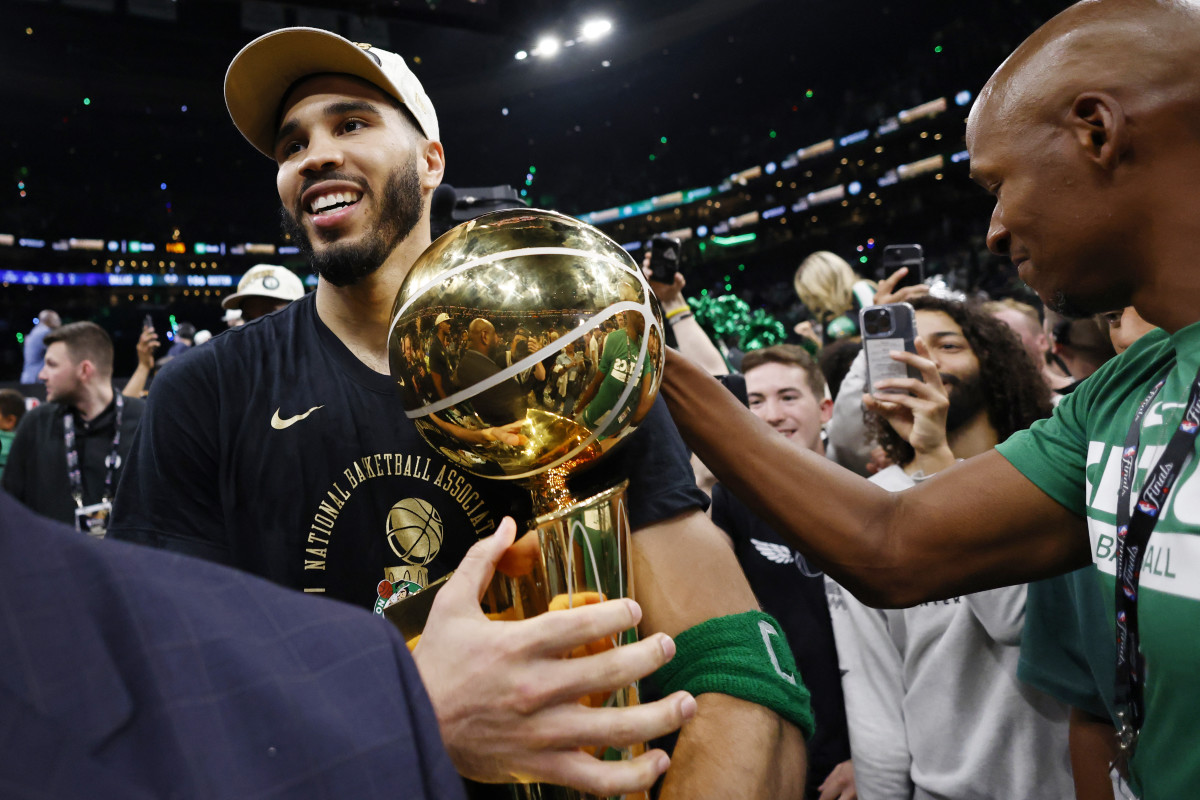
(1134, 527)
(74, 474)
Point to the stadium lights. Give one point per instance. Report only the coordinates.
(521, 55)
(594, 29)
(547, 47)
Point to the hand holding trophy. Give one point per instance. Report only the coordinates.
(526, 291)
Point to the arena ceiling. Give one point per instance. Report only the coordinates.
(97, 137)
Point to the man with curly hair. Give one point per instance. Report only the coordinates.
(991, 396)
(928, 688)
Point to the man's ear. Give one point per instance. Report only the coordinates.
(1098, 125)
(826, 410)
(432, 166)
(87, 370)
(1043, 343)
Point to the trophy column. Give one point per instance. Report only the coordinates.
(578, 553)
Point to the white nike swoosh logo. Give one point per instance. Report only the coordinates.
(278, 423)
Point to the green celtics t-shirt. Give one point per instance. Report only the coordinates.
(617, 364)
(1075, 457)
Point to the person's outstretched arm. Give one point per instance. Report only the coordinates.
(977, 525)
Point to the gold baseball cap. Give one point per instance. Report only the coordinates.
(261, 74)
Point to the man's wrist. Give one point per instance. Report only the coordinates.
(741, 655)
(674, 304)
(927, 464)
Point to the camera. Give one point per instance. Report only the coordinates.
(877, 321)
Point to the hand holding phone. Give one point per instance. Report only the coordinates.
(664, 258)
(885, 329)
(917, 413)
(910, 256)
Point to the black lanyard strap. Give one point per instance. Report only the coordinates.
(74, 469)
(1135, 524)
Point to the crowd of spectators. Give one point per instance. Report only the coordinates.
(974, 693)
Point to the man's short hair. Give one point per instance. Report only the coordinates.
(86, 341)
(12, 403)
(835, 361)
(789, 355)
(994, 307)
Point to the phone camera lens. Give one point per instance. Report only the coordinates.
(878, 321)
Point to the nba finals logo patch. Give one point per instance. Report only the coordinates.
(1188, 426)
(1148, 508)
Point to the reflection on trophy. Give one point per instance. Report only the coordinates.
(561, 348)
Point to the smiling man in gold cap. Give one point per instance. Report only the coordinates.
(283, 449)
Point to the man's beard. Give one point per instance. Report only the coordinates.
(966, 400)
(1061, 304)
(398, 212)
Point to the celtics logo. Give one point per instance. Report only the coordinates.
(414, 531)
(393, 592)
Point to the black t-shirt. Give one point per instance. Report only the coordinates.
(275, 450)
(793, 592)
(36, 473)
(439, 362)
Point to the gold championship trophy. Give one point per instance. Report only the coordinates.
(539, 295)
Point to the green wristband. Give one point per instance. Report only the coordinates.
(744, 656)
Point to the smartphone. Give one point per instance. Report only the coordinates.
(896, 256)
(147, 322)
(886, 329)
(664, 258)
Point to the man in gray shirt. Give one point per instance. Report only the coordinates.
(929, 689)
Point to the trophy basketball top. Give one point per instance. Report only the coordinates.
(525, 322)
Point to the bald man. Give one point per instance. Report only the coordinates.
(496, 405)
(1089, 138)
